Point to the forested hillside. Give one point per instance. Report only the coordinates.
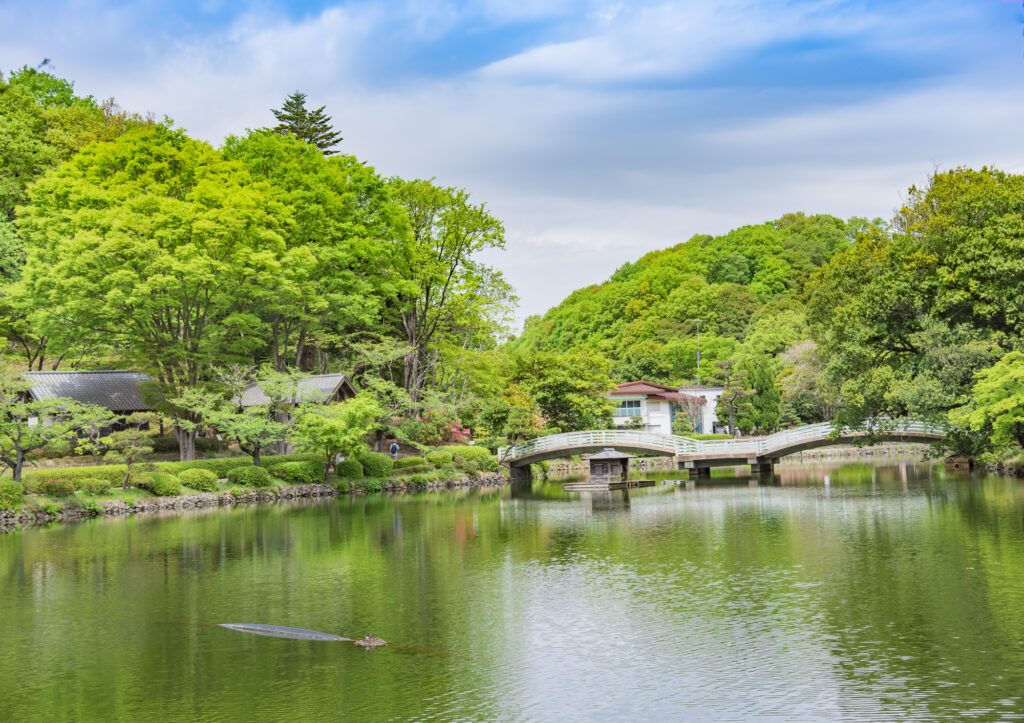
(745, 288)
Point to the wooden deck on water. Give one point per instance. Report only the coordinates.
(618, 485)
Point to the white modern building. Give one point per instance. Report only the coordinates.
(653, 407)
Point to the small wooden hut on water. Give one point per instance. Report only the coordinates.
(609, 470)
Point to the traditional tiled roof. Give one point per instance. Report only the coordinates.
(700, 388)
(116, 390)
(317, 388)
(642, 387)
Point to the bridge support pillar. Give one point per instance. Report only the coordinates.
(763, 468)
(519, 474)
(699, 473)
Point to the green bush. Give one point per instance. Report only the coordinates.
(350, 469)
(422, 467)
(373, 485)
(164, 444)
(407, 462)
(92, 485)
(439, 458)
(467, 465)
(272, 460)
(220, 466)
(305, 473)
(467, 451)
(491, 444)
(342, 486)
(209, 444)
(376, 464)
(93, 506)
(250, 476)
(163, 484)
(112, 473)
(418, 480)
(199, 479)
(10, 494)
(238, 492)
(56, 488)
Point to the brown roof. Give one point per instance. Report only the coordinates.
(642, 387)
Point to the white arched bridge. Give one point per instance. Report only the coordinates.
(699, 456)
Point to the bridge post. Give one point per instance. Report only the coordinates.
(763, 467)
(697, 473)
(519, 474)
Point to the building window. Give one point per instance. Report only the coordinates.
(628, 408)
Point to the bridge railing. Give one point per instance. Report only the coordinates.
(676, 445)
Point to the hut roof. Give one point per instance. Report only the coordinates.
(315, 389)
(609, 453)
(116, 390)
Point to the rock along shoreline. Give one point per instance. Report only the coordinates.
(10, 521)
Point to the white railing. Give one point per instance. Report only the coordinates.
(676, 445)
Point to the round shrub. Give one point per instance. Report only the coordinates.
(164, 484)
(470, 466)
(250, 476)
(10, 495)
(376, 464)
(164, 444)
(92, 485)
(411, 469)
(56, 488)
(407, 462)
(439, 458)
(342, 486)
(467, 451)
(199, 479)
(349, 469)
(303, 473)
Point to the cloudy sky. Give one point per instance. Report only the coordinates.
(595, 130)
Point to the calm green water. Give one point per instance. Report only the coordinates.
(888, 592)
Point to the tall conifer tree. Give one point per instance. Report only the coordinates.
(312, 126)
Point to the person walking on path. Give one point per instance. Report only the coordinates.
(393, 449)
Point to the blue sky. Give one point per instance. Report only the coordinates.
(596, 130)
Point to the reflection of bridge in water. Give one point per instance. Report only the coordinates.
(699, 456)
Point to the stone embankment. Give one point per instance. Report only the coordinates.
(114, 508)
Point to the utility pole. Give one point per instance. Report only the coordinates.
(698, 348)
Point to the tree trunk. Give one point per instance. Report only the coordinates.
(732, 419)
(186, 444)
(256, 455)
(19, 462)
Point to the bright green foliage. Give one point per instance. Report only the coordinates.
(444, 292)
(159, 241)
(250, 476)
(376, 464)
(129, 445)
(440, 459)
(349, 469)
(10, 495)
(762, 413)
(92, 485)
(406, 462)
(568, 389)
(904, 320)
(644, 318)
(109, 474)
(56, 488)
(163, 484)
(311, 126)
(336, 429)
(19, 434)
(199, 479)
(298, 472)
(997, 401)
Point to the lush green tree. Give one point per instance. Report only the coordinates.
(569, 390)
(336, 430)
(761, 413)
(27, 424)
(734, 401)
(996, 404)
(131, 444)
(311, 126)
(158, 243)
(443, 285)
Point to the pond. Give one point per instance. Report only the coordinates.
(840, 590)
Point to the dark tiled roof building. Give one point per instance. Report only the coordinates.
(116, 390)
(319, 389)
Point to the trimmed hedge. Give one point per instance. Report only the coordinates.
(467, 451)
(163, 484)
(199, 479)
(439, 458)
(412, 469)
(250, 476)
(304, 473)
(407, 462)
(349, 469)
(112, 473)
(220, 466)
(92, 485)
(272, 460)
(56, 488)
(10, 495)
(376, 464)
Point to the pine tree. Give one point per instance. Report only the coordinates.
(312, 126)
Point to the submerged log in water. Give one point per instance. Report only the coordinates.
(277, 631)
